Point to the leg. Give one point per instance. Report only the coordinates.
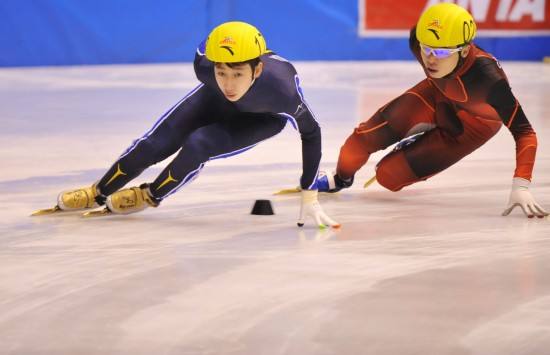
(218, 140)
(193, 111)
(162, 140)
(410, 113)
(432, 153)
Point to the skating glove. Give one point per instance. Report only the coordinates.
(520, 196)
(311, 208)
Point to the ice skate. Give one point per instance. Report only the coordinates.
(293, 190)
(72, 200)
(325, 183)
(369, 182)
(46, 211)
(97, 213)
(332, 182)
(126, 201)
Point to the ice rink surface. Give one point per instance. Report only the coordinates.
(433, 269)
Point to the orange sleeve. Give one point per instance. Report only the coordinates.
(513, 117)
(526, 145)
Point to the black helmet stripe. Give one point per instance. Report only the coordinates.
(468, 30)
(434, 32)
(258, 44)
(228, 48)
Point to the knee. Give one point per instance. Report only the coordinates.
(198, 145)
(281, 122)
(361, 143)
(394, 173)
(386, 178)
(374, 134)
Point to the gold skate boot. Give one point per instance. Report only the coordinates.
(78, 199)
(73, 200)
(127, 201)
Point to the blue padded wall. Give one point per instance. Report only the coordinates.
(69, 32)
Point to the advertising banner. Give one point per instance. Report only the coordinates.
(382, 18)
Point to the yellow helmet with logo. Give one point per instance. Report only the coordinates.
(445, 25)
(233, 42)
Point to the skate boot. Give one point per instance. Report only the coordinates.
(75, 200)
(332, 182)
(406, 142)
(79, 199)
(325, 183)
(127, 201)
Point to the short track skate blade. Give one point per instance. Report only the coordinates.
(370, 182)
(97, 213)
(47, 211)
(294, 190)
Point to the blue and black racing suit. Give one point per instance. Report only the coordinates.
(204, 125)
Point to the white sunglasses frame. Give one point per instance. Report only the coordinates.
(432, 51)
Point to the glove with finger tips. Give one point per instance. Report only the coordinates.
(311, 208)
(521, 196)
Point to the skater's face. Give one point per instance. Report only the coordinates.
(441, 62)
(235, 81)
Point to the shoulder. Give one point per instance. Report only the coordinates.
(203, 67)
(486, 73)
(275, 60)
(487, 67)
(200, 52)
(280, 74)
(278, 68)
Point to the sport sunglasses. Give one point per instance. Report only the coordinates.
(439, 52)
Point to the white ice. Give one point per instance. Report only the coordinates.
(433, 269)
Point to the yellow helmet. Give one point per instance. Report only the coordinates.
(445, 25)
(233, 42)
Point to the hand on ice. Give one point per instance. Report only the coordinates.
(520, 196)
(311, 208)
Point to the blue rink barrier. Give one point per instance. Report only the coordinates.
(71, 32)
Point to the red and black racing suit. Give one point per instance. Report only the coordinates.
(458, 113)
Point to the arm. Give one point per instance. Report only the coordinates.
(512, 115)
(204, 69)
(310, 133)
